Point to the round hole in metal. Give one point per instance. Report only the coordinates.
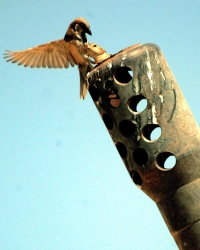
(121, 149)
(151, 132)
(136, 178)
(94, 93)
(140, 156)
(126, 128)
(123, 75)
(113, 99)
(137, 103)
(108, 121)
(166, 161)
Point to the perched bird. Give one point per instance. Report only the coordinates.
(71, 50)
(97, 53)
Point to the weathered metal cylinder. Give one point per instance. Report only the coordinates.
(117, 86)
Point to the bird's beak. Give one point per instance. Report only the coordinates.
(89, 32)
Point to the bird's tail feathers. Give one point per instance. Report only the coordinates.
(83, 70)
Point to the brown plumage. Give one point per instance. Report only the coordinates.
(71, 50)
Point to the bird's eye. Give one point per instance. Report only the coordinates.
(82, 25)
(94, 45)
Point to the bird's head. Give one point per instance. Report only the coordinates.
(82, 25)
(98, 53)
(79, 27)
(95, 49)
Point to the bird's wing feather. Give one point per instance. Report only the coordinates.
(55, 54)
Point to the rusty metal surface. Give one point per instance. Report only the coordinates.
(117, 86)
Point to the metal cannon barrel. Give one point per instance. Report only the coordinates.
(118, 86)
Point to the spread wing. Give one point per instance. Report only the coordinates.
(55, 54)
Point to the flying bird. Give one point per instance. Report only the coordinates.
(71, 50)
(97, 52)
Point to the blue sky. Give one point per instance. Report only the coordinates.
(63, 184)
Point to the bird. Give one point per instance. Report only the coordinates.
(96, 52)
(71, 50)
